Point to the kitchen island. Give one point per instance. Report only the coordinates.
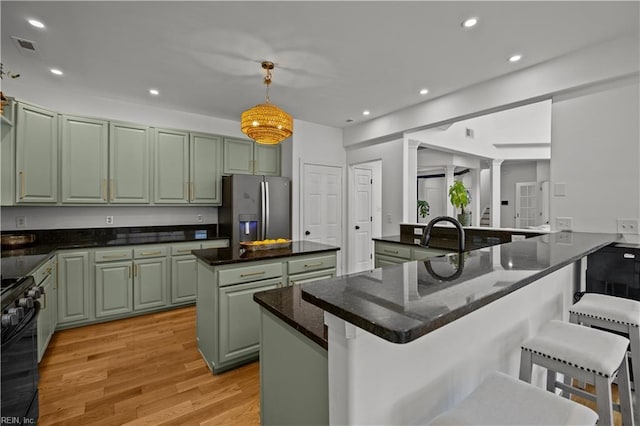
(406, 342)
(227, 320)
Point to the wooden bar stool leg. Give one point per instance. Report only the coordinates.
(604, 401)
(624, 391)
(526, 365)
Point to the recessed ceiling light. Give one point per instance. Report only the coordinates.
(470, 23)
(366, 112)
(515, 58)
(56, 71)
(154, 92)
(36, 23)
(424, 91)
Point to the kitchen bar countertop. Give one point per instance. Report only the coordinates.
(235, 254)
(403, 302)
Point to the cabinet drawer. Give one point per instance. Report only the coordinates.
(312, 276)
(215, 244)
(249, 273)
(182, 249)
(151, 251)
(395, 250)
(313, 264)
(111, 255)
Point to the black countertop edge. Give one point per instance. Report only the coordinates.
(48, 241)
(235, 254)
(408, 334)
(310, 318)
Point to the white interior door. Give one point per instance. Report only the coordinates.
(322, 205)
(526, 204)
(362, 220)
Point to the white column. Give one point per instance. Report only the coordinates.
(410, 180)
(475, 197)
(495, 193)
(448, 181)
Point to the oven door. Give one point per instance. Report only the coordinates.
(20, 371)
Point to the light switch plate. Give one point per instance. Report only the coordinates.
(515, 237)
(628, 226)
(564, 223)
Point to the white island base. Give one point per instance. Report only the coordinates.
(374, 381)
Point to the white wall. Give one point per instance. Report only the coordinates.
(485, 189)
(510, 174)
(596, 154)
(390, 153)
(57, 217)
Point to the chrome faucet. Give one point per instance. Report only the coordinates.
(427, 233)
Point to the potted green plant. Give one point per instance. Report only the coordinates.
(423, 208)
(460, 198)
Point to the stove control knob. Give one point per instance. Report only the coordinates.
(34, 293)
(25, 302)
(9, 320)
(19, 312)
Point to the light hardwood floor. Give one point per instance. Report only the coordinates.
(141, 371)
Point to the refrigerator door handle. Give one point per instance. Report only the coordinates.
(266, 198)
(263, 205)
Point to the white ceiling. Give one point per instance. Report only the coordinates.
(334, 59)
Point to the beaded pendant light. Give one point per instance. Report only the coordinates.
(266, 123)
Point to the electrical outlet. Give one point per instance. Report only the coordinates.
(564, 223)
(199, 218)
(21, 221)
(109, 220)
(628, 226)
(417, 231)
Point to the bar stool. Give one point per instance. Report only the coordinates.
(586, 354)
(503, 400)
(611, 313)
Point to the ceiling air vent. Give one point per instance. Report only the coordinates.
(25, 44)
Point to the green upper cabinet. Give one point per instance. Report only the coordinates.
(206, 166)
(249, 158)
(266, 159)
(129, 167)
(171, 167)
(84, 165)
(36, 155)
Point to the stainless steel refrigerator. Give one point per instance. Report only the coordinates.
(255, 208)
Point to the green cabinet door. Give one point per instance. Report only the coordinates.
(129, 163)
(183, 279)
(150, 283)
(36, 155)
(266, 159)
(45, 317)
(84, 152)
(206, 169)
(170, 167)
(73, 287)
(239, 318)
(238, 156)
(113, 288)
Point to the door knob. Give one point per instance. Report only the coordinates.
(357, 227)
(307, 233)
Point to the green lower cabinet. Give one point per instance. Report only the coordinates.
(240, 319)
(150, 283)
(183, 279)
(73, 287)
(381, 261)
(113, 289)
(394, 253)
(47, 318)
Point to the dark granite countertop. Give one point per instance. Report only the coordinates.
(235, 254)
(403, 302)
(286, 303)
(18, 261)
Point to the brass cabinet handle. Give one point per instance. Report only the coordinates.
(150, 253)
(309, 265)
(185, 250)
(112, 186)
(135, 269)
(252, 274)
(114, 256)
(391, 251)
(21, 177)
(104, 189)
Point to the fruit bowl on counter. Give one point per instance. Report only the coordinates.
(265, 244)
